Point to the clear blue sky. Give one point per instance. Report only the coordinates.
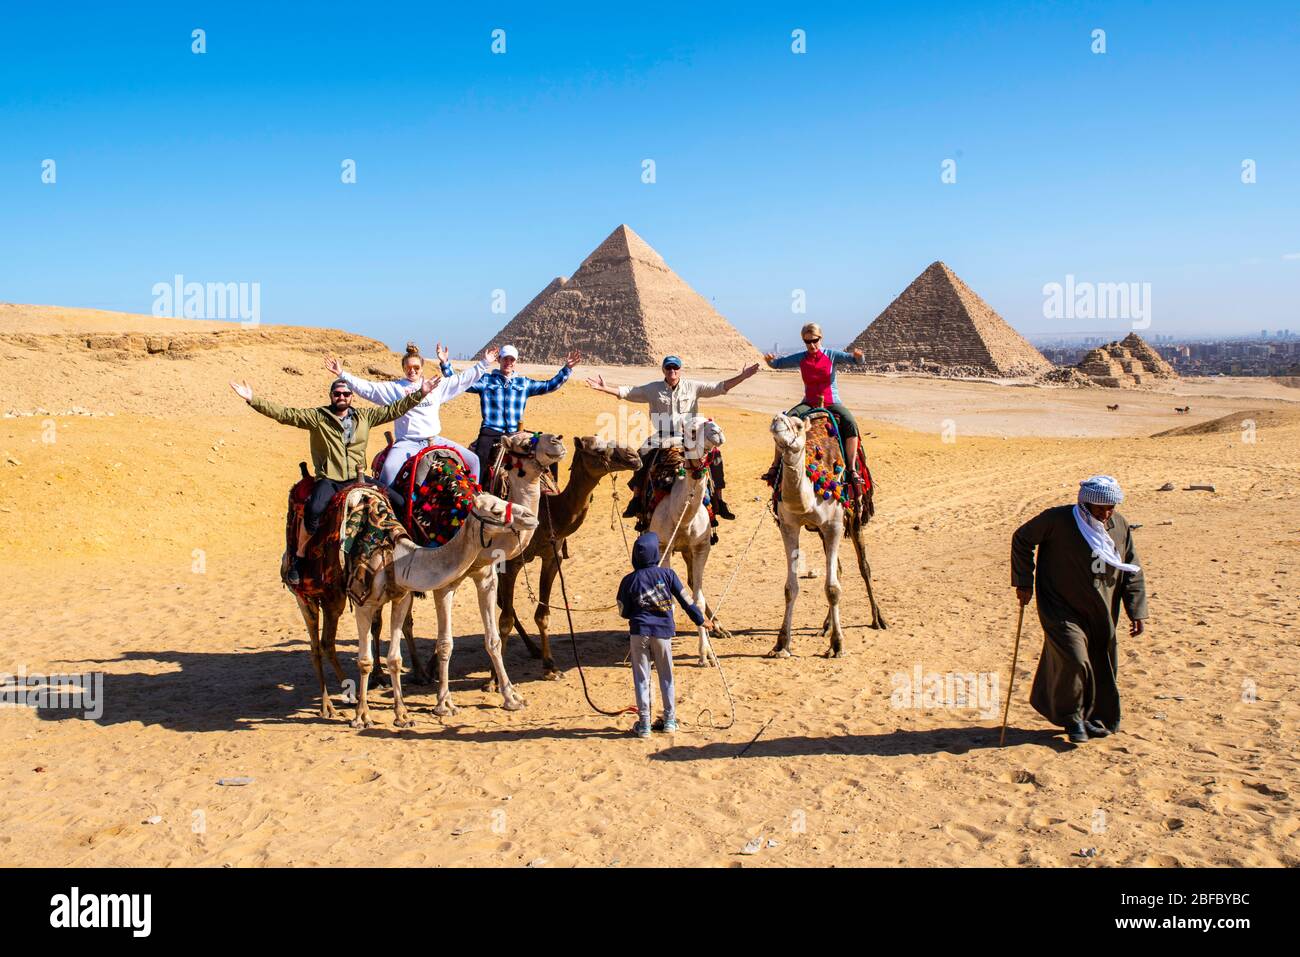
(775, 171)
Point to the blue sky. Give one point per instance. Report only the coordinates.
(774, 171)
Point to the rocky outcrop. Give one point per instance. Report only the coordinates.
(938, 325)
(624, 306)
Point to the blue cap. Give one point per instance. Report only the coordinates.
(672, 362)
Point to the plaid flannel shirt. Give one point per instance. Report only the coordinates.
(503, 399)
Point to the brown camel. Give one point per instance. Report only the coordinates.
(561, 516)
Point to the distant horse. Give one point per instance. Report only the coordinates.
(1112, 408)
(1182, 410)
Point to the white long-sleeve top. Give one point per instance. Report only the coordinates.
(422, 422)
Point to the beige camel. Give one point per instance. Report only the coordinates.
(527, 463)
(681, 519)
(799, 507)
(416, 569)
(561, 516)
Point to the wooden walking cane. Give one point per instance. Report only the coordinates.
(1002, 740)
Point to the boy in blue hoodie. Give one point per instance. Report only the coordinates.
(645, 598)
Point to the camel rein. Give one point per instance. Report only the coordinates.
(573, 638)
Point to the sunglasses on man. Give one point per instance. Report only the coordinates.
(339, 395)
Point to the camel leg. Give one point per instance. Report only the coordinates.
(790, 540)
(506, 601)
(486, 581)
(332, 611)
(365, 662)
(443, 600)
(860, 547)
(420, 675)
(542, 616)
(831, 542)
(377, 678)
(401, 615)
(311, 617)
(696, 558)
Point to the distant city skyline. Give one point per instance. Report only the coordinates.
(400, 172)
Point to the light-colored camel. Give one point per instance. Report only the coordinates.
(681, 519)
(799, 506)
(531, 456)
(561, 516)
(417, 569)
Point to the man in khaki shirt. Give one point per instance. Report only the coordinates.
(672, 401)
(339, 434)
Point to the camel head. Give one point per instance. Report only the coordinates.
(700, 436)
(789, 432)
(497, 511)
(546, 448)
(600, 457)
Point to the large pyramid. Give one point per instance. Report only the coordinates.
(624, 306)
(937, 324)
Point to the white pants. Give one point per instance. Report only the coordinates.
(403, 450)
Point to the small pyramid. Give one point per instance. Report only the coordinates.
(624, 306)
(1125, 364)
(939, 324)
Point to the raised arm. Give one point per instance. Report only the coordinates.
(456, 383)
(539, 387)
(597, 382)
(395, 410)
(298, 418)
(840, 357)
(784, 362)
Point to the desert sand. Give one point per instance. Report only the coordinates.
(142, 536)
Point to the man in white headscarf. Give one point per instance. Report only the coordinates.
(1087, 568)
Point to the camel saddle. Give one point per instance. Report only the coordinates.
(667, 466)
(437, 491)
(824, 462)
(356, 537)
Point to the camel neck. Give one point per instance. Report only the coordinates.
(795, 490)
(573, 499)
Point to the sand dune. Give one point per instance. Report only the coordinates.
(144, 544)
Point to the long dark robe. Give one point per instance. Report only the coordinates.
(1078, 599)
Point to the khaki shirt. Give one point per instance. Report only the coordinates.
(670, 408)
(333, 455)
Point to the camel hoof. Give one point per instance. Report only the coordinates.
(515, 703)
(720, 633)
(363, 721)
(444, 709)
(327, 709)
(703, 662)
(778, 652)
(833, 653)
(490, 686)
(403, 721)
(551, 674)
(879, 625)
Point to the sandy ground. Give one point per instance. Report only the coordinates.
(144, 545)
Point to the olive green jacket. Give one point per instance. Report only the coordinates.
(331, 457)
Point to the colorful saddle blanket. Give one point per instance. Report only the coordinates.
(358, 523)
(824, 463)
(668, 466)
(437, 492)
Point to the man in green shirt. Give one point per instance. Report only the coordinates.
(339, 434)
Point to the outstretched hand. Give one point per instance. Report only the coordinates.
(572, 359)
(428, 385)
(243, 390)
(769, 357)
(490, 354)
(596, 382)
(748, 371)
(333, 365)
(442, 352)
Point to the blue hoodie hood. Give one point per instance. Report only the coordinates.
(645, 552)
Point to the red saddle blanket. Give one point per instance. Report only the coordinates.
(437, 493)
(824, 464)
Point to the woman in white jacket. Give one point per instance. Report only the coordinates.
(422, 425)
